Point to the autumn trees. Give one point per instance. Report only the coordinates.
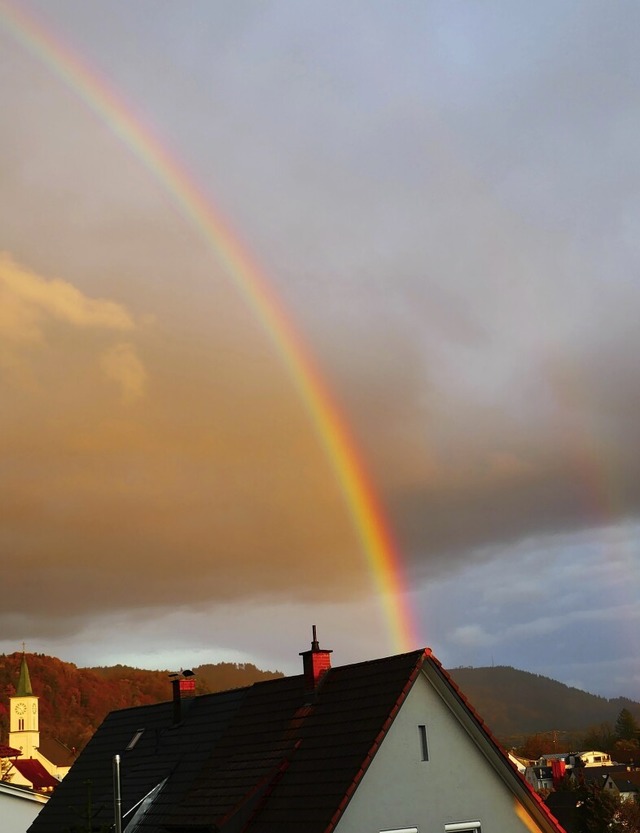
(622, 739)
(74, 701)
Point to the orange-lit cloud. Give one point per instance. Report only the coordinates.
(120, 362)
(28, 301)
(36, 312)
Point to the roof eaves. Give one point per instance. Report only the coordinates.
(413, 676)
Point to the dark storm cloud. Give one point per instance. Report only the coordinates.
(443, 195)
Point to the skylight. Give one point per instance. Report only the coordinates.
(134, 739)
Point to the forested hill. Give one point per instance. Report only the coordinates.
(515, 703)
(74, 701)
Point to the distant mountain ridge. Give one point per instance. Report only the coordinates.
(516, 703)
(513, 703)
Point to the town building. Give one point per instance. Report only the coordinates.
(38, 763)
(547, 772)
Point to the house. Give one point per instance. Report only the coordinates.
(615, 780)
(627, 785)
(539, 777)
(385, 745)
(518, 763)
(551, 768)
(34, 762)
(595, 758)
(18, 807)
(569, 759)
(600, 776)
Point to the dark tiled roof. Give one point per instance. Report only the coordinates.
(35, 773)
(311, 759)
(633, 776)
(624, 785)
(56, 752)
(163, 750)
(592, 774)
(235, 749)
(270, 758)
(9, 751)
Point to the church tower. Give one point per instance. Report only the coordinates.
(24, 732)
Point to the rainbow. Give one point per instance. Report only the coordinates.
(374, 534)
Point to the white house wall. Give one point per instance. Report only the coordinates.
(457, 783)
(18, 809)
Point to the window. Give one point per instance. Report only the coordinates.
(401, 830)
(463, 827)
(21, 724)
(424, 746)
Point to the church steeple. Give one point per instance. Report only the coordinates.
(24, 681)
(24, 733)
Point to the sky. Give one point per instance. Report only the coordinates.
(442, 200)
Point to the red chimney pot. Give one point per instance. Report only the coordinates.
(315, 662)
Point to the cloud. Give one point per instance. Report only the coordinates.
(40, 316)
(447, 208)
(28, 301)
(580, 615)
(120, 362)
(471, 636)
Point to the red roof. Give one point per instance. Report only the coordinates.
(33, 771)
(9, 751)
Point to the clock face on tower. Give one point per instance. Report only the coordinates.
(21, 708)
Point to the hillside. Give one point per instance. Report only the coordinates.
(74, 701)
(516, 703)
(513, 703)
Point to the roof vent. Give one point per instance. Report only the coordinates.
(315, 663)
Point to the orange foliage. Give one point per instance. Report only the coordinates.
(74, 701)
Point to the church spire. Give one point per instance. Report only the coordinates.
(24, 682)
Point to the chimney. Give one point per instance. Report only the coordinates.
(558, 769)
(315, 663)
(184, 688)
